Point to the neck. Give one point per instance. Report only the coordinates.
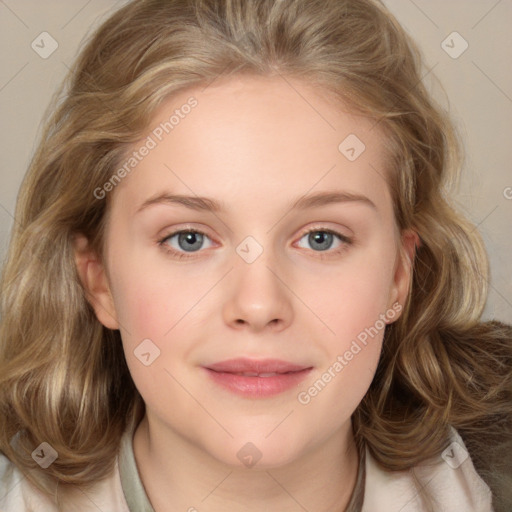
(178, 475)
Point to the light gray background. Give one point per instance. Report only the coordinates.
(478, 85)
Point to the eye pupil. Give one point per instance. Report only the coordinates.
(193, 241)
(321, 237)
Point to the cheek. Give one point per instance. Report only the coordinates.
(355, 294)
(354, 308)
(151, 300)
(355, 311)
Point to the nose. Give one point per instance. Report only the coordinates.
(258, 296)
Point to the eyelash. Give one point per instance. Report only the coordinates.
(346, 241)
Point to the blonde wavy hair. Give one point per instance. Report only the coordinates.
(63, 376)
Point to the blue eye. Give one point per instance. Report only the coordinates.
(189, 241)
(186, 243)
(321, 240)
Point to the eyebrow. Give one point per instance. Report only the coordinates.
(302, 203)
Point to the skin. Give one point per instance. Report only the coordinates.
(255, 145)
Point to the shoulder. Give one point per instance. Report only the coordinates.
(450, 479)
(17, 494)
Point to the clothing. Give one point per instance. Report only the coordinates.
(452, 480)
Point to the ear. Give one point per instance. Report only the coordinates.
(402, 278)
(94, 280)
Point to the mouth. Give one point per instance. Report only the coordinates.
(254, 378)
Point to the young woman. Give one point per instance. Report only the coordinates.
(236, 282)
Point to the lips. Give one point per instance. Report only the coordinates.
(255, 367)
(254, 378)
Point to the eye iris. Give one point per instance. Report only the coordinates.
(191, 240)
(321, 237)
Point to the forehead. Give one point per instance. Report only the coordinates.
(256, 138)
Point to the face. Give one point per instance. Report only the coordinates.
(254, 311)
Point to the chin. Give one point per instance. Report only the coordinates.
(259, 452)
